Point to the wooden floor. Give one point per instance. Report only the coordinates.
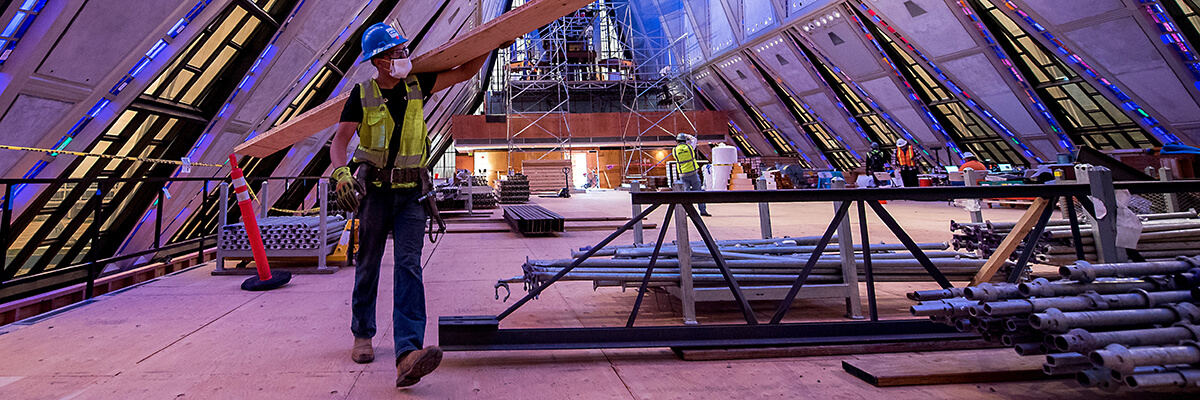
(192, 335)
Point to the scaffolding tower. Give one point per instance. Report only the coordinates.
(596, 60)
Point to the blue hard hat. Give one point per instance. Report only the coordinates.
(379, 38)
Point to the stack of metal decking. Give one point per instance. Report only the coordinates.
(513, 190)
(1111, 325)
(1163, 236)
(285, 233)
(752, 262)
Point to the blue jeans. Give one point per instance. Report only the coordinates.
(395, 211)
(692, 183)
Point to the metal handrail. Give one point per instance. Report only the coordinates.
(59, 277)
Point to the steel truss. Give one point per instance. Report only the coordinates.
(468, 333)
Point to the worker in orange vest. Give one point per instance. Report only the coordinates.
(969, 161)
(906, 161)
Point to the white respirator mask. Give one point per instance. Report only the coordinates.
(400, 68)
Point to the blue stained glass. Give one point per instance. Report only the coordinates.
(14, 24)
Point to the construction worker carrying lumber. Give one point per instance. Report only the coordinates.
(389, 184)
(689, 170)
(906, 161)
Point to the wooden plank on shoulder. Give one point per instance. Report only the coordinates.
(295, 130)
(478, 42)
(1011, 241)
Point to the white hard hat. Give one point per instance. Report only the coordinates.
(901, 143)
(968, 155)
(682, 137)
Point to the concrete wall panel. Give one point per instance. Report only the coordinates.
(1121, 47)
(1057, 12)
(26, 125)
(325, 21)
(101, 36)
(849, 52)
(778, 56)
(937, 30)
(1162, 92)
(979, 76)
(744, 77)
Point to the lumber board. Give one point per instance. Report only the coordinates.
(296, 129)
(478, 42)
(938, 368)
(1011, 241)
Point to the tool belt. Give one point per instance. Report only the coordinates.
(395, 175)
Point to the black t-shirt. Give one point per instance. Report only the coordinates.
(396, 101)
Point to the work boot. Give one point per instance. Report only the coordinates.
(417, 363)
(362, 352)
(705, 214)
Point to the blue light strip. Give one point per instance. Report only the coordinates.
(15, 30)
(1139, 113)
(1173, 38)
(945, 81)
(1064, 141)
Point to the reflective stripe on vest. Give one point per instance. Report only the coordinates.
(686, 159)
(904, 156)
(377, 129)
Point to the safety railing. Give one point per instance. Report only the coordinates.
(17, 284)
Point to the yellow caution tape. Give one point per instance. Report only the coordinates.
(109, 156)
(150, 160)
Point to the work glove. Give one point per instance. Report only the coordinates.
(347, 188)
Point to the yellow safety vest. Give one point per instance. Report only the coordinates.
(377, 129)
(685, 156)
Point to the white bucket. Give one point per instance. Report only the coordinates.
(723, 159)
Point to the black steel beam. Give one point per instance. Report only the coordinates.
(481, 333)
(807, 195)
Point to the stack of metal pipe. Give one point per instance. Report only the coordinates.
(1163, 236)
(1133, 325)
(752, 262)
(285, 233)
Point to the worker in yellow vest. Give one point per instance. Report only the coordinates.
(689, 170)
(906, 161)
(390, 182)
